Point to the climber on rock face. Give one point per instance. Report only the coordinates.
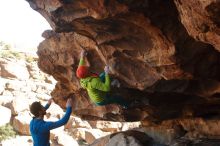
(98, 86)
(40, 129)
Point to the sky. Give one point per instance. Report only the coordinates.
(20, 25)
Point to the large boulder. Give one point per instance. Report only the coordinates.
(5, 115)
(109, 126)
(200, 18)
(89, 135)
(128, 138)
(21, 123)
(55, 111)
(76, 122)
(147, 47)
(19, 104)
(165, 55)
(14, 69)
(63, 139)
(106, 126)
(93, 134)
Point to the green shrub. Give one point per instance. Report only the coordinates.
(6, 132)
(7, 52)
(30, 59)
(16, 55)
(10, 54)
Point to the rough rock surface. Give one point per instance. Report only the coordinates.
(128, 138)
(201, 19)
(164, 53)
(21, 123)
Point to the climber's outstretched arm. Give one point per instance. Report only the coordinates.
(82, 58)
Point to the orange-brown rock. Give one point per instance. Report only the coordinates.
(147, 49)
(164, 53)
(201, 19)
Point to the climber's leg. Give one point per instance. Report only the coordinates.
(102, 76)
(117, 99)
(67, 1)
(115, 83)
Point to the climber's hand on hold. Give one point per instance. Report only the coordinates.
(69, 102)
(107, 69)
(83, 53)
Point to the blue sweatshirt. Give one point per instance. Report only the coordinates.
(40, 129)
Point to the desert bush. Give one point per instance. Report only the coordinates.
(6, 132)
(30, 59)
(10, 54)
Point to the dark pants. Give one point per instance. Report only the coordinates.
(67, 1)
(102, 76)
(111, 99)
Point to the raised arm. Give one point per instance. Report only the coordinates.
(82, 57)
(82, 70)
(48, 103)
(52, 125)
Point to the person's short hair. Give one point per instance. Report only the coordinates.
(35, 108)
